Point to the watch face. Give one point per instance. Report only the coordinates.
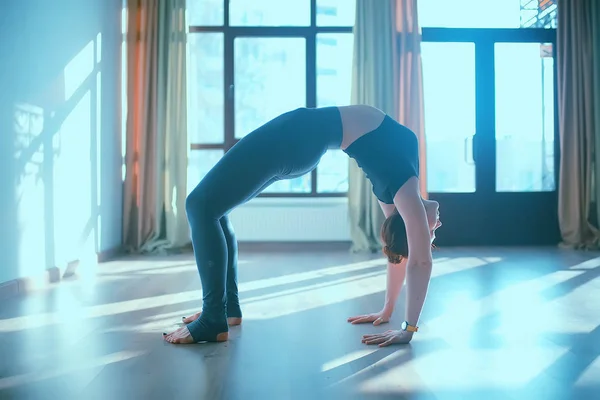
(404, 325)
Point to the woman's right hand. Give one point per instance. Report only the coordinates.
(376, 318)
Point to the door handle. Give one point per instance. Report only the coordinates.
(466, 150)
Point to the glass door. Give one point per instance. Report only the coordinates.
(525, 199)
(490, 134)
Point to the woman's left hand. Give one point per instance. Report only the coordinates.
(388, 337)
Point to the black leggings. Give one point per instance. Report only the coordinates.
(286, 147)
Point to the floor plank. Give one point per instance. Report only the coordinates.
(499, 323)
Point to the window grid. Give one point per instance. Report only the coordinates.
(230, 33)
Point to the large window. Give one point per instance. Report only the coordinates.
(251, 60)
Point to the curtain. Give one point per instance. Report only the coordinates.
(578, 59)
(387, 74)
(156, 148)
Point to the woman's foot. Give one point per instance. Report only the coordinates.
(231, 321)
(180, 336)
(183, 336)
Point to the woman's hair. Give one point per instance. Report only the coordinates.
(395, 241)
(393, 235)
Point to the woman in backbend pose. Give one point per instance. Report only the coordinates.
(290, 146)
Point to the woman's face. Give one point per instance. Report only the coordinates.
(433, 217)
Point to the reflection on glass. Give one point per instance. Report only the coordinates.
(270, 79)
(487, 13)
(524, 117)
(199, 163)
(449, 93)
(269, 12)
(205, 12)
(205, 97)
(336, 12)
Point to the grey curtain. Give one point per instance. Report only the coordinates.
(578, 58)
(156, 149)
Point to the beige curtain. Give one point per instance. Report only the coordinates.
(387, 74)
(578, 58)
(156, 150)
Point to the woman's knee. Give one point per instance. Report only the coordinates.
(199, 205)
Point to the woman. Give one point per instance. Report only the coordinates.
(290, 146)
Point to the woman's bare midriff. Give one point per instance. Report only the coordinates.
(358, 120)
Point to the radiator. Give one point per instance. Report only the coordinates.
(292, 220)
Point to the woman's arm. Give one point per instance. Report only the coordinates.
(420, 261)
(395, 272)
(395, 279)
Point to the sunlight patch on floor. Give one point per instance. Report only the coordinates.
(451, 265)
(310, 275)
(588, 264)
(155, 326)
(512, 301)
(403, 353)
(347, 358)
(445, 370)
(591, 375)
(139, 266)
(291, 301)
(28, 378)
(169, 270)
(97, 311)
(175, 315)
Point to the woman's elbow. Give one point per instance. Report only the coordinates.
(425, 263)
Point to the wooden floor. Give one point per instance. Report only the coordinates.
(498, 324)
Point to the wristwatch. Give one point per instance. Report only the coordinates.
(410, 328)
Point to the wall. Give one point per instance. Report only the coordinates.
(60, 167)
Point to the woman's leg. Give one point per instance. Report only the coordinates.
(233, 300)
(242, 173)
(234, 311)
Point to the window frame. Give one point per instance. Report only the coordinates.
(230, 33)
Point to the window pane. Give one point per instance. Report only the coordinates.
(336, 12)
(524, 117)
(334, 68)
(199, 163)
(205, 12)
(296, 185)
(334, 80)
(270, 79)
(205, 95)
(332, 172)
(449, 91)
(269, 12)
(487, 13)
